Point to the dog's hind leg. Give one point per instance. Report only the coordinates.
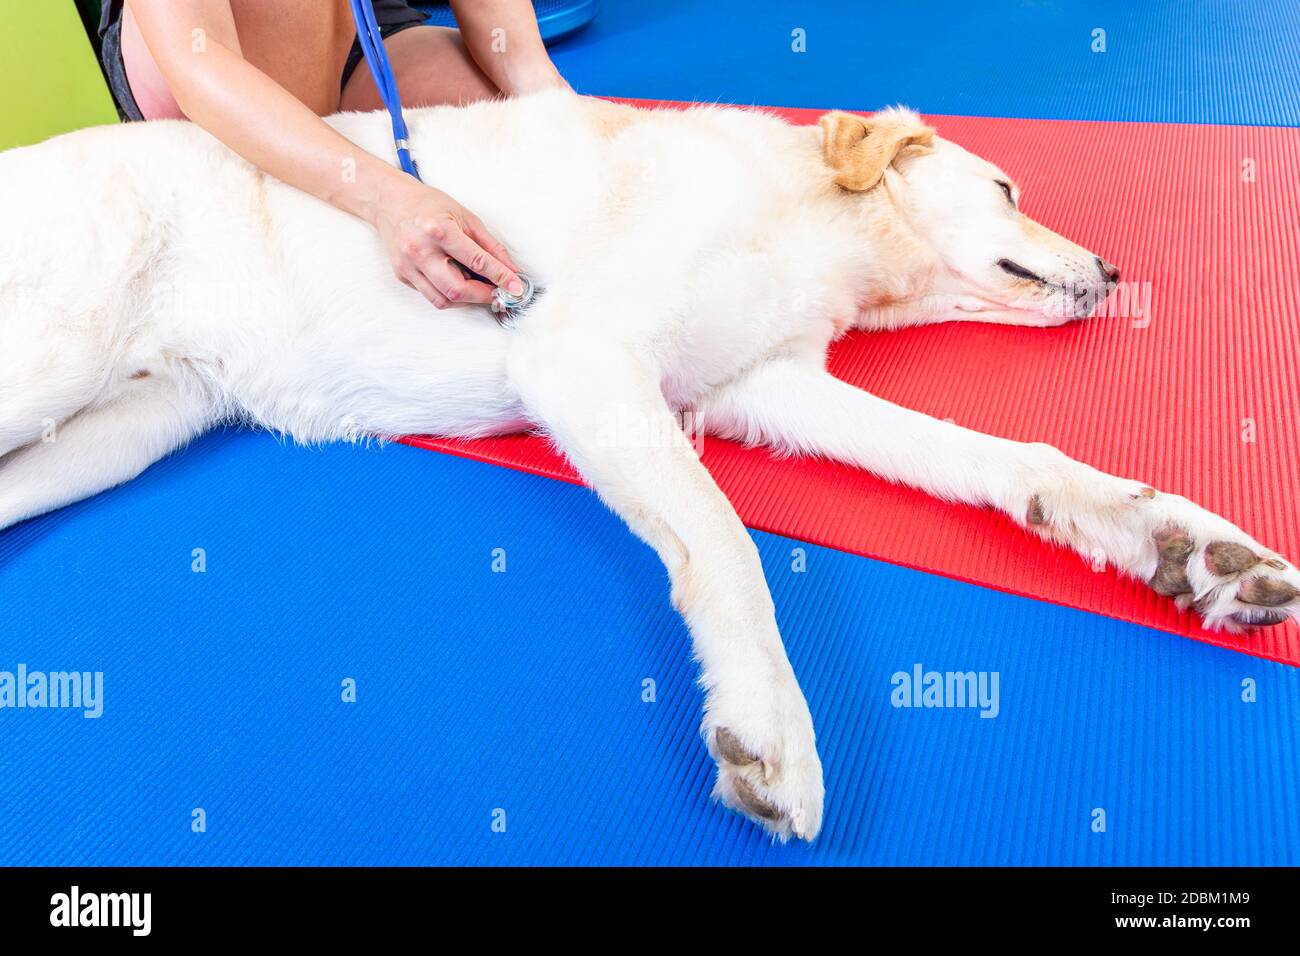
(1178, 548)
(605, 409)
(99, 447)
(44, 379)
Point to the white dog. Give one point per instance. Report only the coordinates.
(152, 284)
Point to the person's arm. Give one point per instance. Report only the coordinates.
(503, 38)
(422, 228)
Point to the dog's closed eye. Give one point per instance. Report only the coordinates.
(1006, 188)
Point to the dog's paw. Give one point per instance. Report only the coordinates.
(1202, 561)
(768, 768)
(1232, 581)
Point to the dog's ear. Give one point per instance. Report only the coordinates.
(859, 149)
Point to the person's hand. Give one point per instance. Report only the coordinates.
(522, 79)
(516, 68)
(427, 233)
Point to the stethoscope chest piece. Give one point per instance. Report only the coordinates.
(503, 301)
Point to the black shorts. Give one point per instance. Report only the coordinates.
(393, 16)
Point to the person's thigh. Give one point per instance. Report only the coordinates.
(301, 44)
(432, 68)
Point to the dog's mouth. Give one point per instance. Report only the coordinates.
(1020, 272)
(1037, 294)
(1052, 306)
(1073, 299)
(1012, 268)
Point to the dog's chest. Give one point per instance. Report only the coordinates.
(740, 319)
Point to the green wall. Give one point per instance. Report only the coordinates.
(50, 82)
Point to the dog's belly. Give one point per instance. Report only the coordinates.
(737, 322)
(339, 372)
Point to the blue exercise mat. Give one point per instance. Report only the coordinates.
(481, 693)
(1171, 61)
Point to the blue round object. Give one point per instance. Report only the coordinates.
(555, 17)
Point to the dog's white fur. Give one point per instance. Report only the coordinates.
(152, 285)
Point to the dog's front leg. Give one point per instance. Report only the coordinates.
(1178, 548)
(605, 410)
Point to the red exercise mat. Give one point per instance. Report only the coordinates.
(1208, 216)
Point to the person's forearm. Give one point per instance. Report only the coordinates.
(282, 136)
(431, 240)
(503, 39)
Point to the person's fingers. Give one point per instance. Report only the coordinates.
(423, 286)
(446, 276)
(479, 233)
(474, 257)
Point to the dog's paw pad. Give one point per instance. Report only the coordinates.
(731, 749)
(1035, 514)
(752, 801)
(1267, 592)
(788, 806)
(1174, 546)
(1260, 594)
(1231, 584)
(771, 774)
(1228, 557)
(1260, 618)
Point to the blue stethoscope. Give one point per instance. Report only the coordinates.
(372, 45)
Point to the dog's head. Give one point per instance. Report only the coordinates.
(984, 259)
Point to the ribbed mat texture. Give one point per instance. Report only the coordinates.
(1165, 61)
(520, 695)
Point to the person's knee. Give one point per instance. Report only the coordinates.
(432, 68)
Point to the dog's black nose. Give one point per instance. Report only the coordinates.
(1109, 271)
